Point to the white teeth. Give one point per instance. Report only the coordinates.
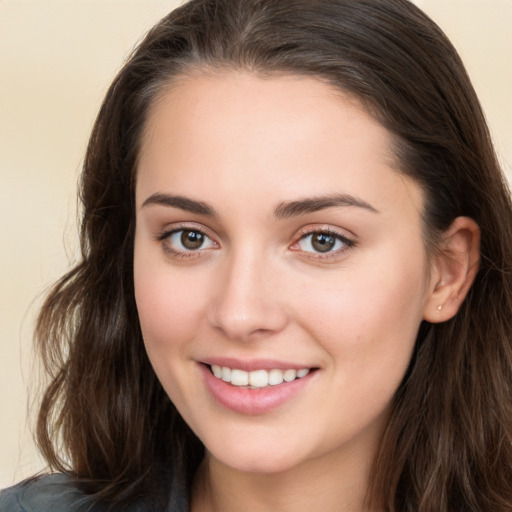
(257, 378)
(226, 374)
(290, 375)
(275, 377)
(239, 378)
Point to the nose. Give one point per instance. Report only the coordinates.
(246, 303)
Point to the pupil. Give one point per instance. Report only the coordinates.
(192, 239)
(323, 242)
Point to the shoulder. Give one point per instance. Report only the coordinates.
(55, 493)
(58, 493)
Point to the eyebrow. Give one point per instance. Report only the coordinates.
(282, 211)
(314, 204)
(183, 203)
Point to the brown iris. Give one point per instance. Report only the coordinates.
(322, 242)
(192, 239)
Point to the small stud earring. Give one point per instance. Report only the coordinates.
(440, 307)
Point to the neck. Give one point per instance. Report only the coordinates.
(331, 485)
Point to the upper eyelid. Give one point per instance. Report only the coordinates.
(339, 232)
(182, 226)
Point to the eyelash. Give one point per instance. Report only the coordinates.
(316, 255)
(164, 238)
(346, 242)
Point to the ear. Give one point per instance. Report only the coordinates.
(453, 270)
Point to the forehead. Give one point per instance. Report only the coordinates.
(245, 133)
(242, 104)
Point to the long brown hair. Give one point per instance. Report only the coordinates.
(448, 445)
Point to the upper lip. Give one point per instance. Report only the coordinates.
(250, 365)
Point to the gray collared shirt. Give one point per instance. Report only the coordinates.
(57, 493)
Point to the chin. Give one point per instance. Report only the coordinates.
(250, 456)
(259, 463)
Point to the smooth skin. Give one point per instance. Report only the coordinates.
(295, 239)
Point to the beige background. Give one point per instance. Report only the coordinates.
(57, 58)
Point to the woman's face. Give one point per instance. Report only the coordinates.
(280, 270)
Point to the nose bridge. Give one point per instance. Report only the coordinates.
(245, 304)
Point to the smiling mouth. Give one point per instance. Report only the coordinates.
(257, 379)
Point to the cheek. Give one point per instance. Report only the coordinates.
(368, 328)
(168, 304)
(168, 312)
(368, 320)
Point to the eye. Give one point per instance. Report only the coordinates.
(188, 240)
(323, 242)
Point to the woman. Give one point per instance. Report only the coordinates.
(295, 290)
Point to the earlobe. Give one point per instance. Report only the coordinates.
(455, 267)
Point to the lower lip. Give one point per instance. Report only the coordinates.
(252, 401)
